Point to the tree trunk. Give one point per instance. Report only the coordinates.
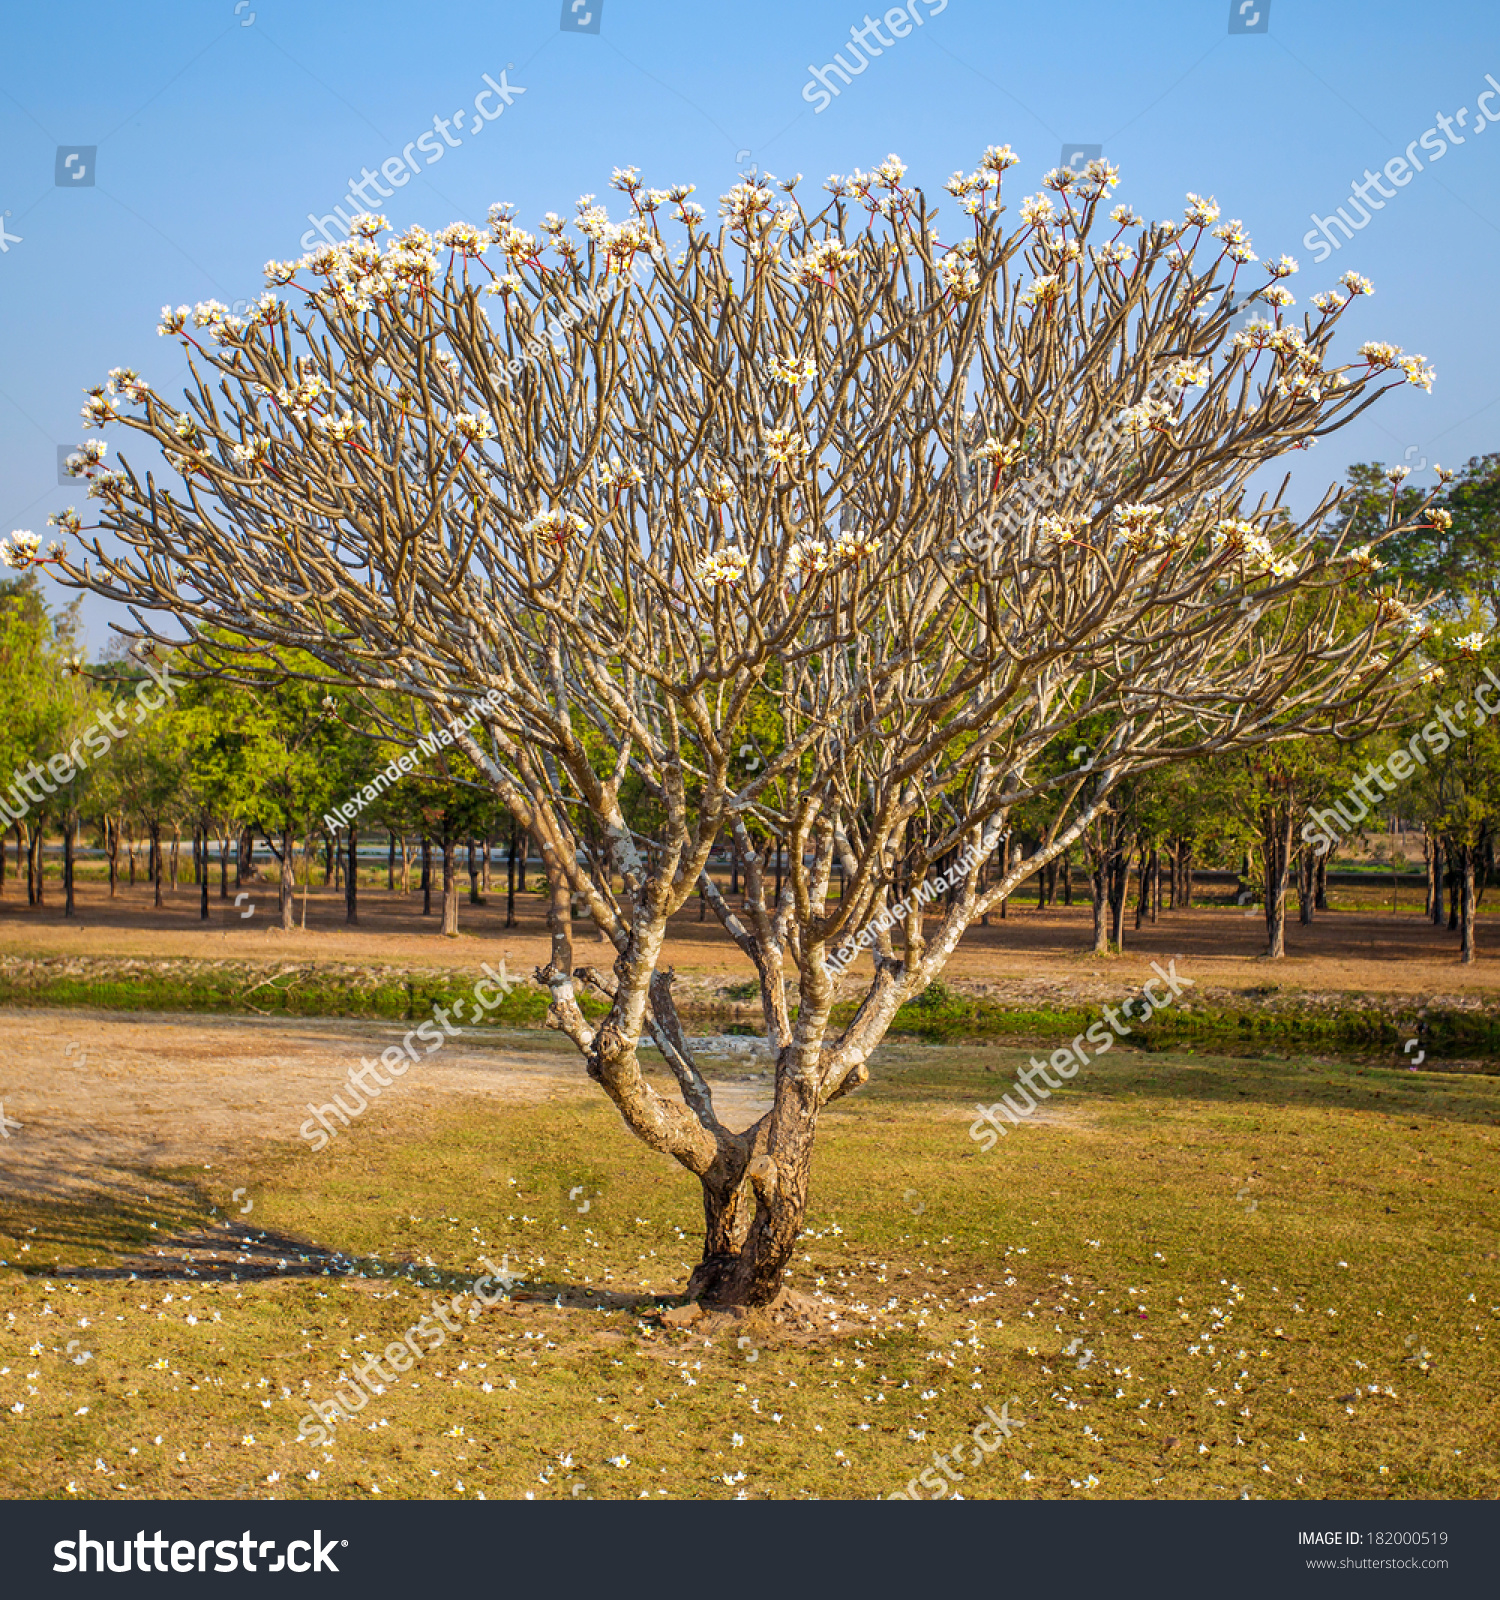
(204, 876)
(1466, 855)
(1118, 882)
(1276, 847)
(332, 862)
(1099, 876)
(1320, 884)
(351, 888)
(486, 862)
(405, 863)
(510, 878)
(474, 899)
(224, 843)
(1305, 886)
(521, 863)
(1427, 864)
(450, 891)
(156, 861)
(70, 829)
(130, 844)
(1453, 861)
(426, 876)
(390, 862)
(286, 884)
(176, 847)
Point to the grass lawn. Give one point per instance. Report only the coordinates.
(1201, 1277)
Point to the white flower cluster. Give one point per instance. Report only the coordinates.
(1138, 525)
(724, 566)
(958, 276)
(784, 448)
(792, 370)
(556, 527)
(1041, 291)
(821, 262)
(1363, 559)
(618, 475)
(1147, 414)
(1188, 374)
(1241, 538)
(22, 551)
(1468, 645)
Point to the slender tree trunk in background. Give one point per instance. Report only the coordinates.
(1466, 853)
(1427, 864)
(1119, 882)
(486, 862)
(351, 891)
(510, 876)
(1320, 884)
(156, 861)
(426, 876)
(70, 829)
(333, 866)
(1099, 875)
(1143, 886)
(286, 884)
(1276, 840)
(1453, 876)
(450, 890)
(474, 899)
(203, 877)
(26, 842)
(176, 847)
(521, 864)
(405, 863)
(130, 844)
(390, 862)
(224, 844)
(1305, 886)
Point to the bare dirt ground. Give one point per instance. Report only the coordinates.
(1358, 951)
(101, 1098)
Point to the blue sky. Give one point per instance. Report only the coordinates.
(217, 135)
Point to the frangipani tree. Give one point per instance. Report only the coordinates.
(750, 464)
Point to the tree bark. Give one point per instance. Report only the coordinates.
(1305, 886)
(426, 876)
(70, 829)
(510, 878)
(351, 888)
(156, 858)
(204, 874)
(1466, 853)
(390, 862)
(112, 845)
(474, 899)
(286, 885)
(224, 843)
(1320, 884)
(1276, 847)
(176, 846)
(450, 890)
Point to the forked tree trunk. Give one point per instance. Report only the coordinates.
(1276, 842)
